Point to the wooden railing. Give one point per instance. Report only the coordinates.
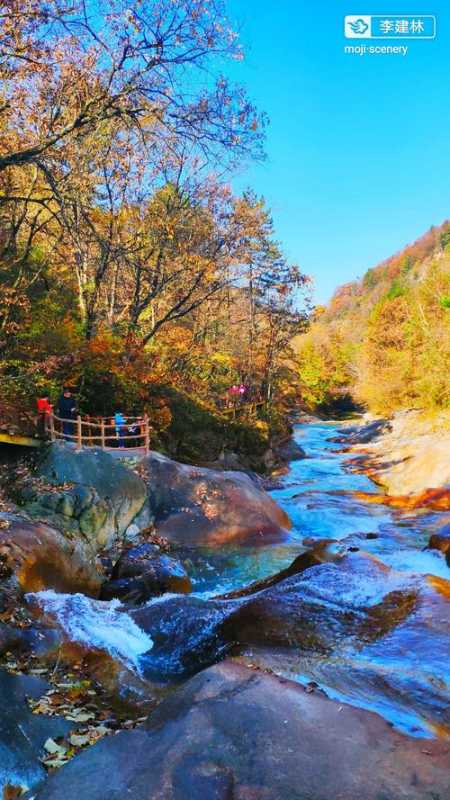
(241, 409)
(102, 432)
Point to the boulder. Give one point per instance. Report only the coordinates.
(316, 609)
(186, 633)
(232, 732)
(36, 556)
(383, 669)
(441, 541)
(313, 610)
(289, 451)
(365, 433)
(94, 493)
(194, 505)
(144, 572)
(23, 734)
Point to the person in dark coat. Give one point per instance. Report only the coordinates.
(67, 410)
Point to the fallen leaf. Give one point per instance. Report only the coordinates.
(79, 740)
(80, 717)
(55, 763)
(52, 747)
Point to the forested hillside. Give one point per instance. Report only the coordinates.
(384, 340)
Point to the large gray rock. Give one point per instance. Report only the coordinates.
(289, 450)
(103, 499)
(193, 505)
(412, 455)
(234, 734)
(23, 734)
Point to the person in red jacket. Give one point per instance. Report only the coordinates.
(44, 409)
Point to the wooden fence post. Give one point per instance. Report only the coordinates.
(79, 434)
(147, 435)
(52, 427)
(102, 433)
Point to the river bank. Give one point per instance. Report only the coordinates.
(345, 603)
(411, 453)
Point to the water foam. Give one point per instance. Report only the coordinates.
(97, 624)
(416, 562)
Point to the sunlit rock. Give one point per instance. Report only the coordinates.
(413, 456)
(36, 557)
(432, 499)
(202, 506)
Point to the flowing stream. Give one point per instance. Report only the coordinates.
(403, 673)
(317, 493)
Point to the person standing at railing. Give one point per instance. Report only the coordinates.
(67, 409)
(120, 423)
(45, 409)
(242, 392)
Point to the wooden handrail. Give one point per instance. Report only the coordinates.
(89, 440)
(98, 424)
(242, 407)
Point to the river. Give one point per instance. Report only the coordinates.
(401, 673)
(404, 676)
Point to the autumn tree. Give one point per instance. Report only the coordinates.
(67, 66)
(125, 259)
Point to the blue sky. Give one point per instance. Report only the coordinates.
(358, 147)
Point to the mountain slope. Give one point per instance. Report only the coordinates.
(384, 341)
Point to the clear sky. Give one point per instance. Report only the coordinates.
(358, 147)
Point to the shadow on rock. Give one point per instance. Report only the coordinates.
(23, 734)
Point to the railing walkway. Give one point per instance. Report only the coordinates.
(242, 409)
(101, 432)
(133, 435)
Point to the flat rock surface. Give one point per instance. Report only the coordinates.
(414, 455)
(235, 734)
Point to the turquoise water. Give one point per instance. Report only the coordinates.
(405, 674)
(317, 495)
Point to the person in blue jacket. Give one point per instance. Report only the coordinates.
(120, 423)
